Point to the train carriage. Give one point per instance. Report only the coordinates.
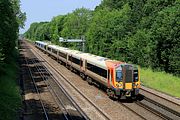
(119, 78)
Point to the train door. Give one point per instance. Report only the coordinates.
(81, 65)
(85, 65)
(58, 56)
(70, 61)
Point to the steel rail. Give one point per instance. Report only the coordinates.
(133, 111)
(43, 76)
(163, 106)
(36, 88)
(153, 111)
(70, 98)
(161, 97)
(67, 95)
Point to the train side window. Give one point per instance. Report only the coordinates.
(54, 51)
(75, 60)
(63, 55)
(97, 70)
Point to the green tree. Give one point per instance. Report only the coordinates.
(144, 32)
(166, 38)
(76, 23)
(11, 19)
(55, 28)
(106, 32)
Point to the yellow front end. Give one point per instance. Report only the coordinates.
(128, 86)
(127, 80)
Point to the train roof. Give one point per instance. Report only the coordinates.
(96, 60)
(91, 58)
(41, 42)
(62, 49)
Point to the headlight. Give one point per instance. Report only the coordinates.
(119, 85)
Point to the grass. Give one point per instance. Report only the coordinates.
(161, 81)
(10, 99)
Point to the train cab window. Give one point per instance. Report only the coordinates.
(118, 76)
(135, 75)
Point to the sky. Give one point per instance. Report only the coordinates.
(45, 10)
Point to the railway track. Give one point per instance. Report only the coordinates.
(67, 101)
(77, 90)
(159, 109)
(46, 116)
(129, 108)
(160, 106)
(61, 99)
(154, 107)
(71, 113)
(150, 92)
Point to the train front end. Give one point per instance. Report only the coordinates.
(126, 80)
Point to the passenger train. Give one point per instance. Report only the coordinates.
(120, 79)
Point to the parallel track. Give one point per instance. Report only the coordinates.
(67, 114)
(136, 113)
(160, 97)
(158, 109)
(40, 71)
(65, 111)
(161, 110)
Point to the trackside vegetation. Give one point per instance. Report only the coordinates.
(143, 32)
(11, 19)
(161, 81)
(10, 98)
